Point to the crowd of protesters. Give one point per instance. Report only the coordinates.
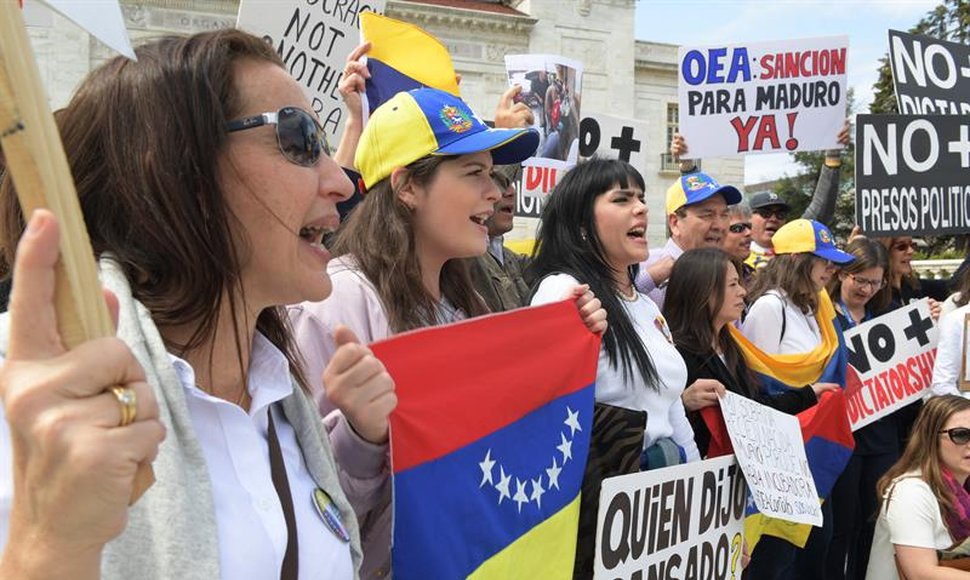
(245, 301)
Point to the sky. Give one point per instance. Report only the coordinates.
(735, 21)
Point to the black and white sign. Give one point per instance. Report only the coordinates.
(912, 174)
(932, 77)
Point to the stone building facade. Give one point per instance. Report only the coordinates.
(623, 76)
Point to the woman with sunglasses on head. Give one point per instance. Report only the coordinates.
(859, 291)
(207, 188)
(791, 314)
(593, 232)
(924, 503)
(426, 161)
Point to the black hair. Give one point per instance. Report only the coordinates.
(567, 243)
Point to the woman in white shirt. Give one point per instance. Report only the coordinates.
(787, 295)
(593, 232)
(207, 186)
(950, 351)
(925, 507)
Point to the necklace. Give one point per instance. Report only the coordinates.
(631, 297)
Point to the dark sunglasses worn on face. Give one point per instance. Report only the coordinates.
(904, 246)
(300, 138)
(766, 213)
(959, 435)
(739, 227)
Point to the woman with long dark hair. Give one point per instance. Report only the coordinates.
(705, 297)
(593, 232)
(207, 187)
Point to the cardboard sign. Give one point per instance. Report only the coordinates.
(764, 97)
(679, 522)
(932, 77)
(912, 174)
(771, 453)
(890, 362)
(313, 37)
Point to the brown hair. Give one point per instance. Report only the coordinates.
(143, 141)
(923, 450)
(910, 279)
(379, 234)
(695, 294)
(868, 254)
(791, 273)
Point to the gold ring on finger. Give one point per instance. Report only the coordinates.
(128, 403)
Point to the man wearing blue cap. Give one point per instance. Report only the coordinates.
(697, 217)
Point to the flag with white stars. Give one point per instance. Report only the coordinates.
(489, 446)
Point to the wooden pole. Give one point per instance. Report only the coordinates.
(35, 159)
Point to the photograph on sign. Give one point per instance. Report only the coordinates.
(912, 174)
(762, 97)
(552, 88)
(931, 76)
(891, 361)
(684, 521)
(771, 453)
(313, 42)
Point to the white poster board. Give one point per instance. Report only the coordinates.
(764, 97)
(771, 453)
(890, 362)
(684, 521)
(313, 38)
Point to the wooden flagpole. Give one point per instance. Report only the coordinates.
(35, 159)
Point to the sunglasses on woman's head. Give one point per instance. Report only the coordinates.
(300, 138)
(959, 435)
(739, 227)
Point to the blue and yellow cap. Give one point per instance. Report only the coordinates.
(695, 188)
(801, 235)
(422, 122)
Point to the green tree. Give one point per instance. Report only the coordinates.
(948, 21)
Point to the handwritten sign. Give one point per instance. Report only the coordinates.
(313, 37)
(890, 362)
(771, 453)
(764, 97)
(679, 522)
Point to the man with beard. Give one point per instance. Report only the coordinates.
(497, 275)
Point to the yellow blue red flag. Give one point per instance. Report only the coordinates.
(403, 57)
(489, 444)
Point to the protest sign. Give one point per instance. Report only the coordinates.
(770, 450)
(552, 88)
(762, 97)
(679, 522)
(932, 77)
(890, 362)
(313, 37)
(912, 174)
(611, 137)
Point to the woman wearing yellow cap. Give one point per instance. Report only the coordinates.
(791, 314)
(426, 162)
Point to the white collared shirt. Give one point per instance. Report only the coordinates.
(249, 517)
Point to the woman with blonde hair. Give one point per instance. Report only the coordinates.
(925, 506)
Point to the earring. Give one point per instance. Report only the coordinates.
(582, 234)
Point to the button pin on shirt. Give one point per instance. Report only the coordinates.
(330, 514)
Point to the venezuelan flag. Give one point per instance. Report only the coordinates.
(403, 57)
(825, 427)
(489, 444)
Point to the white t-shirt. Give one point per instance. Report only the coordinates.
(769, 315)
(949, 353)
(665, 410)
(910, 518)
